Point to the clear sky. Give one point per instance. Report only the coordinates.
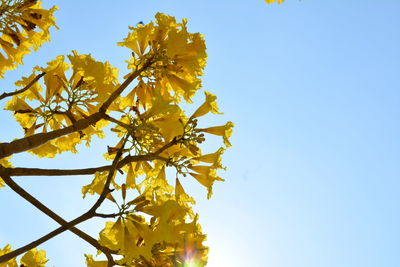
(313, 87)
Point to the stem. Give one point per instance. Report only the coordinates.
(29, 85)
(120, 123)
(111, 215)
(106, 188)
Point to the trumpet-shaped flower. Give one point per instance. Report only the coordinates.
(205, 175)
(225, 131)
(210, 105)
(214, 158)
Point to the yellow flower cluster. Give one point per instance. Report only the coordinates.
(165, 240)
(32, 258)
(24, 25)
(60, 101)
(179, 57)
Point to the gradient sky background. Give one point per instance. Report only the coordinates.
(313, 87)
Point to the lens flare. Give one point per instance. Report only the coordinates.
(191, 263)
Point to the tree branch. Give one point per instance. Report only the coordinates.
(17, 171)
(65, 225)
(111, 172)
(29, 85)
(173, 142)
(120, 123)
(111, 215)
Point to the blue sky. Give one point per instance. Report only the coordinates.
(313, 87)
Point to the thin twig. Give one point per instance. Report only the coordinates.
(173, 142)
(29, 85)
(110, 215)
(111, 172)
(120, 123)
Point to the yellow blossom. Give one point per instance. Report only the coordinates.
(214, 158)
(209, 105)
(34, 258)
(206, 175)
(22, 27)
(183, 57)
(225, 131)
(272, 1)
(180, 194)
(90, 262)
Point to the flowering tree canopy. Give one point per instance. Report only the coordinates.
(75, 98)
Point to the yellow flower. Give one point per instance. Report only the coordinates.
(209, 105)
(97, 185)
(180, 194)
(225, 131)
(272, 1)
(206, 175)
(22, 27)
(34, 258)
(98, 78)
(214, 158)
(170, 126)
(90, 262)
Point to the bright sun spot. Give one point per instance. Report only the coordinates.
(191, 263)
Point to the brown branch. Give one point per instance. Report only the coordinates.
(173, 142)
(106, 191)
(59, 172)
(19, 171)
(64, 224)
(29, 85)
(27, 143)
(111, 172)
(120, 123)
(111, 215)
(122, 87)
